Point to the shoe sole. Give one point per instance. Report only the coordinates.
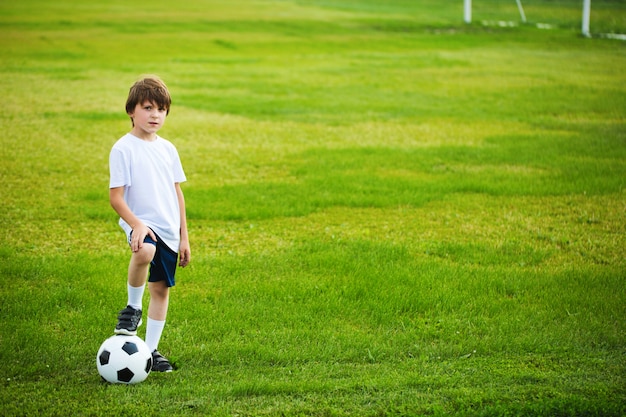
(165, 372)
(125, 332)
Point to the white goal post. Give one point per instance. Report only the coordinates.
(467, 14)
(586, 13)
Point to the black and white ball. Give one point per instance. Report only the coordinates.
(124, 360)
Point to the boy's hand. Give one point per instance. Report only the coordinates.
(139, 234)
(184, 253)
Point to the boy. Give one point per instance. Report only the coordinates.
(144, 190)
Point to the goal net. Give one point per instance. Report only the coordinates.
(605, 17)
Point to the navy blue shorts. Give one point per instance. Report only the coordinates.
(163, 265)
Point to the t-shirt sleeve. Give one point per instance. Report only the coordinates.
(119, 169)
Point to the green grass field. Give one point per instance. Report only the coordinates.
(391, 212)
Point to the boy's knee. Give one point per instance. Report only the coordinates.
(145, 254)
(159, 290)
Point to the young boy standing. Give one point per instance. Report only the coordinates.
(144, 190)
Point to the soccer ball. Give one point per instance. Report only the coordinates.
(124, 360)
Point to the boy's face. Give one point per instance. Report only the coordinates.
(147, 119)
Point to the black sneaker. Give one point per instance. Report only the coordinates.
(128, 321)
(160, 363)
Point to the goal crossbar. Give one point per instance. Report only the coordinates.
(467, 10)
(467, 14)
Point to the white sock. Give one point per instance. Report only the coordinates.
(135, 296)
(154, 329)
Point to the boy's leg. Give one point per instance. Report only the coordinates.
(130, 317)
(157, 313)
(140, 265)
(159, 300)
(138, 273)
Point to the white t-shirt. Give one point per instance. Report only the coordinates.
(148, 172)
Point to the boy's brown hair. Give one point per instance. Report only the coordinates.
(152, 89)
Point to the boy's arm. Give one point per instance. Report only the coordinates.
(184, 251)
(140, 230)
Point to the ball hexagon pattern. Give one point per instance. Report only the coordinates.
(124, 360)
